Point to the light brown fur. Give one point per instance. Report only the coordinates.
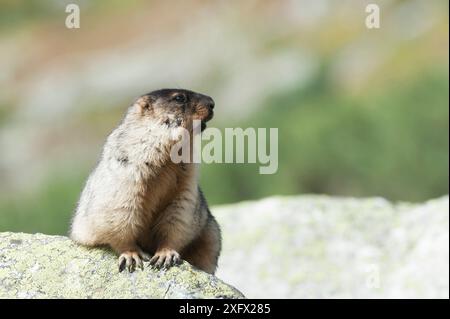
(138, 201)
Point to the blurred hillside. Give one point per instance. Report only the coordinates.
(360, 112)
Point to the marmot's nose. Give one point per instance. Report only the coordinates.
(209, 102)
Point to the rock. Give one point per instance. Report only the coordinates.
(279, 247)
(41, 266)
(324, 247)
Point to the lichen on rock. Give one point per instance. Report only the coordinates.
(42, 266)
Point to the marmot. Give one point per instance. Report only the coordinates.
(138, 201)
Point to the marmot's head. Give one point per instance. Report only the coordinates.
(176, 107)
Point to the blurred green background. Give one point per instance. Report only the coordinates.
(360, 112)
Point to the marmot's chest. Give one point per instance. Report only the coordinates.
(161, 190)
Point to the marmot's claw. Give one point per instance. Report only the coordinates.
(165, 259)
(122, 263)
(130, 260)
(125, 261)
(140, 264)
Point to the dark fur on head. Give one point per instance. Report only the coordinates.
(177, 107)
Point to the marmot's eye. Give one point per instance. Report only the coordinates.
(180, 98)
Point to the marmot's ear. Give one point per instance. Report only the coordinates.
(144, 103)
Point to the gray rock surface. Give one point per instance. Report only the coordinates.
(41, 266)
(279, 247)
(328, 247)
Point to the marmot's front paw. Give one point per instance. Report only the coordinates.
(165, 258)
(131, 259)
